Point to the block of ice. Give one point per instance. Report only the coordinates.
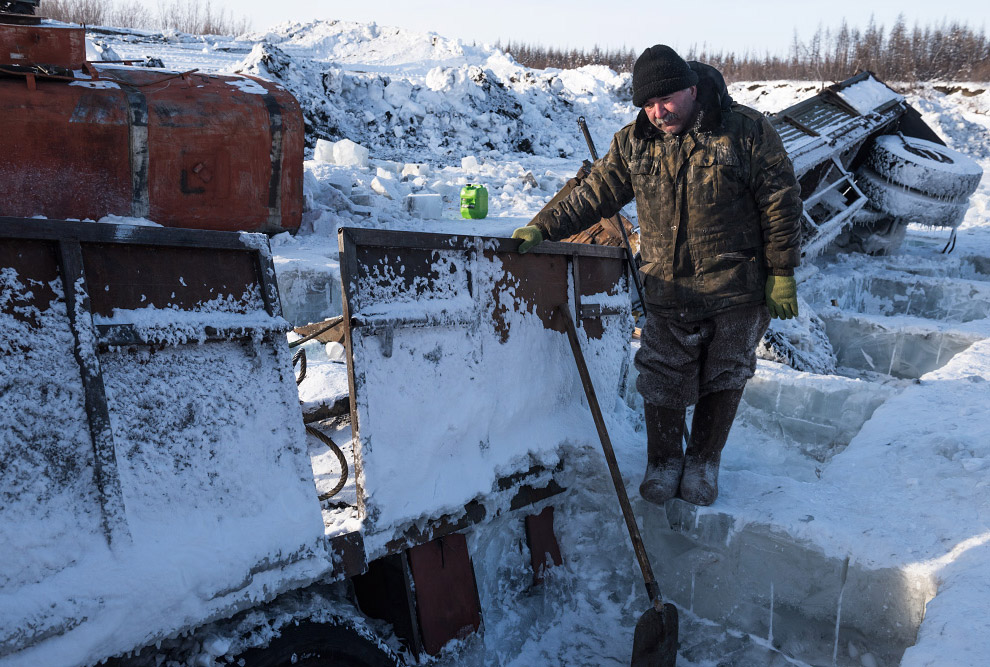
(384, 174)
(383, 187)
(346, 152)
(310, 291)
(470, 163)
(415, 170)
(335, 351)
(342, 182)
(427, 206)
(389, 166)
(323, 151)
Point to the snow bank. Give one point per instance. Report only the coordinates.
(402, 93)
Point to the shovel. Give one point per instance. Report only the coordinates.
(655, 639)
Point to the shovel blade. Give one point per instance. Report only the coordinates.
(655, 639)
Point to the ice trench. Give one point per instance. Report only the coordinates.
(755, 588)
(777, 579)
(761, 577)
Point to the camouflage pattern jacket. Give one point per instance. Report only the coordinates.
(719, 208)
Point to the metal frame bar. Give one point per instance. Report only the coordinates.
(352, 236)
(88, 232)
(105, 471)
(120, 335)
(347, 240)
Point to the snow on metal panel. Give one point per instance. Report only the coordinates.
(868, 95)
(49, 506)
(217, 492)
(460, 375)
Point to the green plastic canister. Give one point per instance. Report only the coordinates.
(474, 201)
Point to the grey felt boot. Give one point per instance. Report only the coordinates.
(713, 417)
(665, 458)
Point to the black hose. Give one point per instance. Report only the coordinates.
(300, 357)
(951, 245)
(325, 439)
(331, 323)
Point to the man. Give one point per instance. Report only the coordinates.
(719, 214)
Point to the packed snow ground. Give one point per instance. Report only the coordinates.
(906, 491)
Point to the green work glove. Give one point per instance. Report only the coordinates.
(530, 235)
(781, 293)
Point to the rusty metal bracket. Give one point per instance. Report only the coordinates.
(576, 277)
(544, 550)
(799, 125)
(385, 336)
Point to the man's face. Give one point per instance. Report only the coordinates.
(672, 113)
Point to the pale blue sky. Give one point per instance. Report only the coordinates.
(733, 26)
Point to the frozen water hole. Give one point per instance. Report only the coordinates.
(902, 347)
(889, 293)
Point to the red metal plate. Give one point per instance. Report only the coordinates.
(544, 550)
(446, 592)
(137, 276)
(194, 150)
(36, 264)
(64, 151)
(42, 45)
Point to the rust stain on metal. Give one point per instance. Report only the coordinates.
(197, 151)
(531, 283)
(42, 45)
(36, 264)
(411, 271)
(136, 276)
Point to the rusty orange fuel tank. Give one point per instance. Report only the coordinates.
(184, 149)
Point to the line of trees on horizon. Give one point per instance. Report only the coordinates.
(192, 16)
(943, 51)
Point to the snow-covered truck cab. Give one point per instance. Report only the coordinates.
(156, 470)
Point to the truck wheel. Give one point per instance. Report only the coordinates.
(925, 167)
(311, 644)
(912, 206)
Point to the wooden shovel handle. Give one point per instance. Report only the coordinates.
(652, 588)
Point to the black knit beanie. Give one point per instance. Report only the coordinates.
(659, 71)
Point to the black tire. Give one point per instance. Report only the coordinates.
(312, 644)
(925, 167)
(909, 205)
